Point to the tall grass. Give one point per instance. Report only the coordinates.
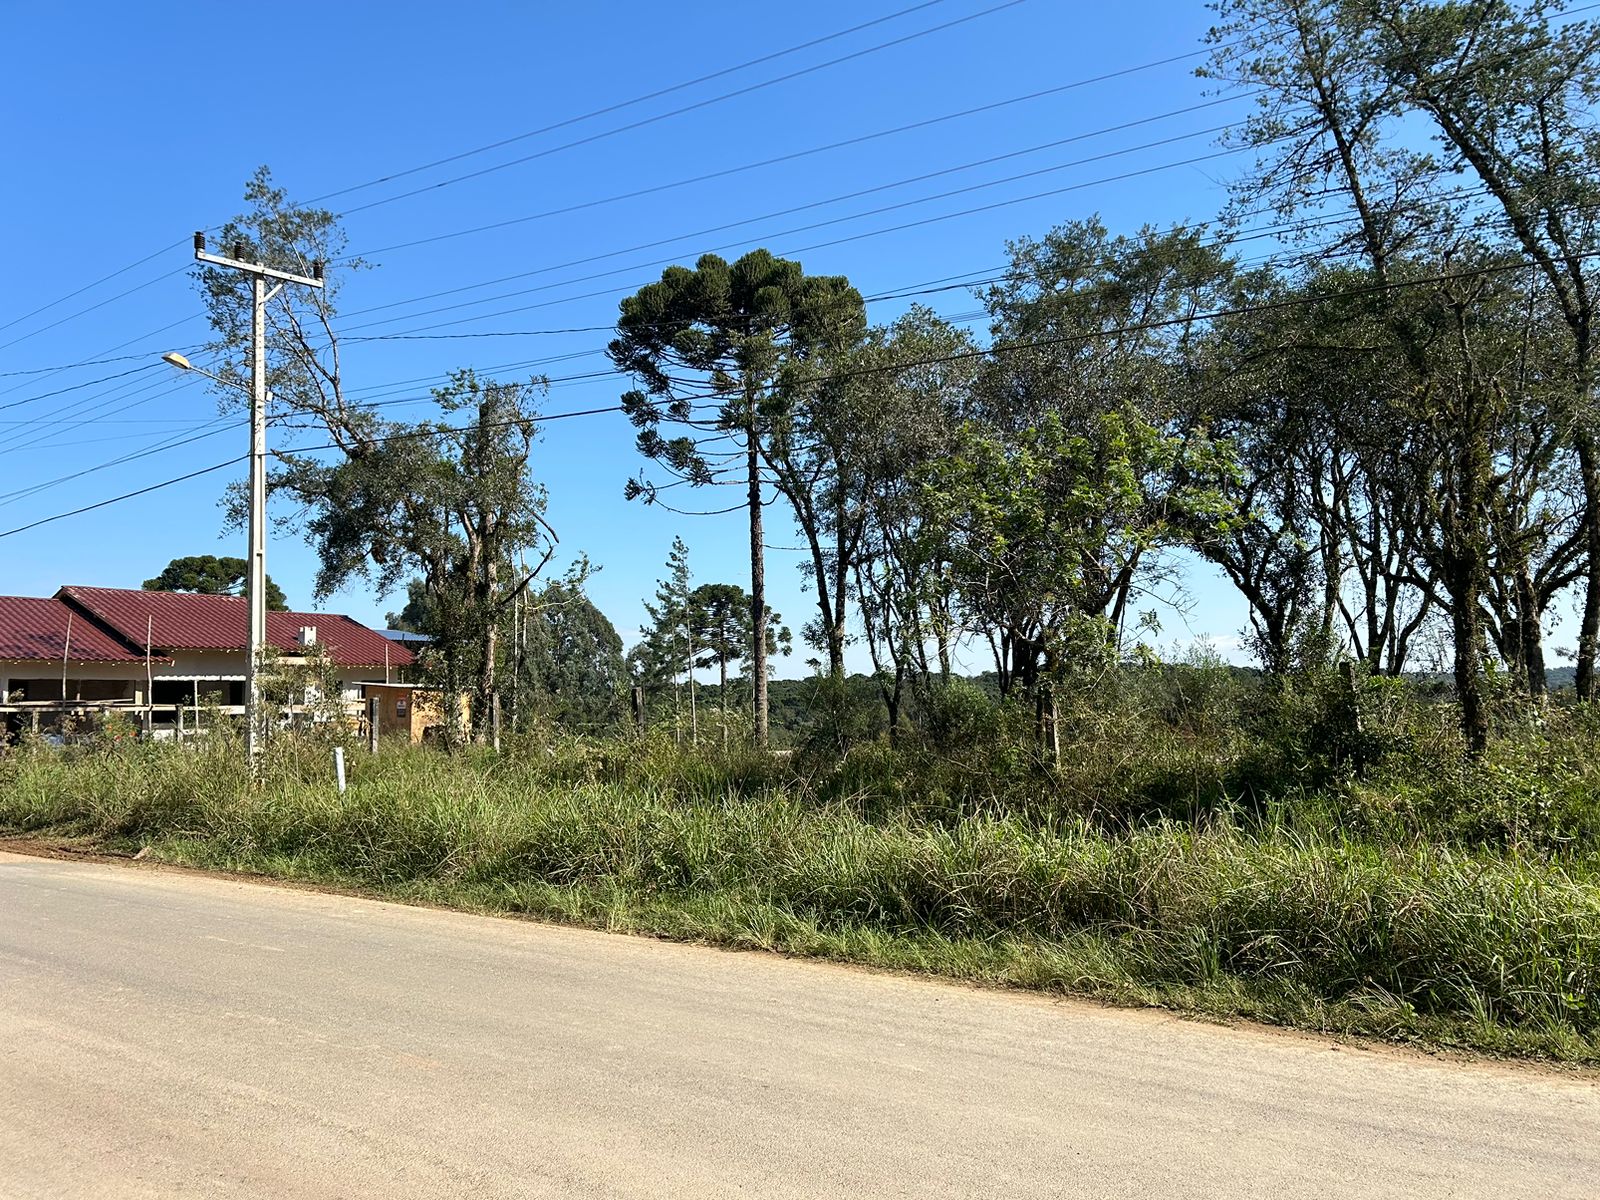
(1321, 912)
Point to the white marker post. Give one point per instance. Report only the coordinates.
(338, 766)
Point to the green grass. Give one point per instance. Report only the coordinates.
(1281, 918)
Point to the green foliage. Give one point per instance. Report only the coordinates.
(449, 500)
(419, 614)
(302, 345)
(210, 575)
(662, 658)
(1410, 924)
(1046, 525)
(737, 333)
(574, 657)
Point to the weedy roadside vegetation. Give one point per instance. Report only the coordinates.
(1211, 841)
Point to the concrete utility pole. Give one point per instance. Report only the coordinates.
(256, 583)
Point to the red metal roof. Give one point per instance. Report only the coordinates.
(36, 629)
(185, 621)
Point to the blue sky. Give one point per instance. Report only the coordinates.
(135, 124)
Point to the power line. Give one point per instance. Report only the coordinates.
(837, 199)
(93, 307)
(1125, 71)
(87, 287)
(75, 387)
(798, 208)
(697, 105)
(210, 430)
(925, 287)
(791, 250)
(1229, 239)
(144, 491)
(764, 237)
(759, 238)
(110, 349)
(86, 409)
(641, 99)
(782, 158)
(861, 138)
(87, 362)
(611, 108)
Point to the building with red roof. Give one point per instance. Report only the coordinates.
(165, 648)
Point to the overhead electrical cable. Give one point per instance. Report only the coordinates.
(622, 104)
(782, 158)
(91, 286)
(100, 304)
(688, 108)
(184, 320)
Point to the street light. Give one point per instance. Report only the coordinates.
(256, 576)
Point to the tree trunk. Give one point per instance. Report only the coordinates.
(1589, 630)
(891, 701)
(487, 681)
(758, 590)
(1466, 629)
(1530, 635)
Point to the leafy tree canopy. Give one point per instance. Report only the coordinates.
(209, 575)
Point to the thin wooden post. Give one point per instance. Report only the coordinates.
(373, 706)
(638, 708)
(494, 719)
(66, 647)
(149, 684)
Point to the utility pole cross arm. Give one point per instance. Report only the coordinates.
(218, 260)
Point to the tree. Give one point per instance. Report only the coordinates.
(817, 447)
(451, 501)
(710, 347)
(1035, 516)
(209, 575)
(901, 576)
(1511, 100)
(665, 656)
(1296, 384)
(1324, 107)
(419, 614)
(719, 624)
(573, 657)
(1082, 405)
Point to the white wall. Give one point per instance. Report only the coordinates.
(201, 666)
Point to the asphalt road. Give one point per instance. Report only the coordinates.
(171, 1034)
